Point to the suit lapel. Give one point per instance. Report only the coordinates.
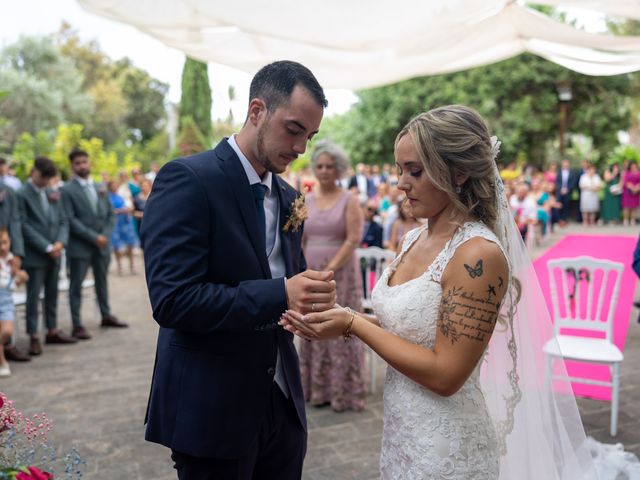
(237, 177)
(36, 203)
(80, 191)
(284, 210)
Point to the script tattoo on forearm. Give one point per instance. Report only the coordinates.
(463, 315)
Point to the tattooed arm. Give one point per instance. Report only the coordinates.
(473, 286)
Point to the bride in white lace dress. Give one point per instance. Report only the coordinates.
(436, 309)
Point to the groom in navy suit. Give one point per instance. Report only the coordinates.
(221, 236)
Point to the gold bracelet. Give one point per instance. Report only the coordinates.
(347, 331)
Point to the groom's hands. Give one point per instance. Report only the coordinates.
(311, 291)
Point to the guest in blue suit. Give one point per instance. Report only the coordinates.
(221, 236)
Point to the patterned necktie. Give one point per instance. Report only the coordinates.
(259, 191)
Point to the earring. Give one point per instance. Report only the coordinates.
(458, 189)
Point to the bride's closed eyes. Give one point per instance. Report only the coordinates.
(413, 171)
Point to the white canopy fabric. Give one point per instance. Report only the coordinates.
(365, 43)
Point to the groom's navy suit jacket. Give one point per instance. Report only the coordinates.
(212, 293)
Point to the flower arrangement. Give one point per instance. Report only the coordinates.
(297, 215)
(24, 442)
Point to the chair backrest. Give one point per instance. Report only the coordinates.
(584, 293)
(373, 261)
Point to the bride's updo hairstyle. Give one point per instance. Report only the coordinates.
(452, 141)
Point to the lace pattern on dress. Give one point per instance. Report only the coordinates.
(427, 436)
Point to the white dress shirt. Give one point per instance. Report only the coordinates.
(273, 243)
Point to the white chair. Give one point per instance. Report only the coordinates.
(567, 299)
(373, 261)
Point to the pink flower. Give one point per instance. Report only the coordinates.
(1, 401)
(34, 474)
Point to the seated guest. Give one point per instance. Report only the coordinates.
(372, 230)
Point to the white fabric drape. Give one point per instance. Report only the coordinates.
(365, 43)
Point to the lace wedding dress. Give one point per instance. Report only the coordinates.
(428, 436)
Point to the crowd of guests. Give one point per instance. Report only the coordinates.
(542, 199)
(47, 225)
(350, 209)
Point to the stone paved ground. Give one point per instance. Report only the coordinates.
(96, 392)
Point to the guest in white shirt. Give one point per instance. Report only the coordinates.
(6, 176)
(590, 185)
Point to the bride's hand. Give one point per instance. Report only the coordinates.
(317, 326)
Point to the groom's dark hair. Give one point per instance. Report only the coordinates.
(274, 83)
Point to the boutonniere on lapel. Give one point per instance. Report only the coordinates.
(53, 195)
(298, 213)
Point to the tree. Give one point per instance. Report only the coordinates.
(146, 115)
(139, 113)
(195, 101)
(112, 108)
(630, 27)
(44, 88)
(190, 139)
(28, 147)
(517, 97)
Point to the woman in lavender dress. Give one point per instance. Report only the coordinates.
(333, 371)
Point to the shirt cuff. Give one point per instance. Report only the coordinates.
(286, 297)
(49, 248)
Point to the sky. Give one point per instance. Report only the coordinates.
(42, 17)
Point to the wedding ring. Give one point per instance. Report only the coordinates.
(313, 307)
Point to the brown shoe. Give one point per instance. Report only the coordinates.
(59, 337)
(80, 333)
(111, 321)
(12, 353)
(34, 346)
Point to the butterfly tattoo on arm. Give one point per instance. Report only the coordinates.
(474, 271)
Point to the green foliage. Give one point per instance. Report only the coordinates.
(45, 88)
(146, 115)
(67, 138)
(582, 149)
(624, 153)
(190, 140)
(517, 97)
(28, 147)
(129, 102)
(196, 97)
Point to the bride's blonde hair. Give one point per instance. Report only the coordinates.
(453, 141)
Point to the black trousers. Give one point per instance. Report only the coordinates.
(277, 452)
(565, 200)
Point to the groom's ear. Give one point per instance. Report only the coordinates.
(257, 110)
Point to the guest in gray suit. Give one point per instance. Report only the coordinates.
(46, 232)
(10, 218)
(91, 222)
